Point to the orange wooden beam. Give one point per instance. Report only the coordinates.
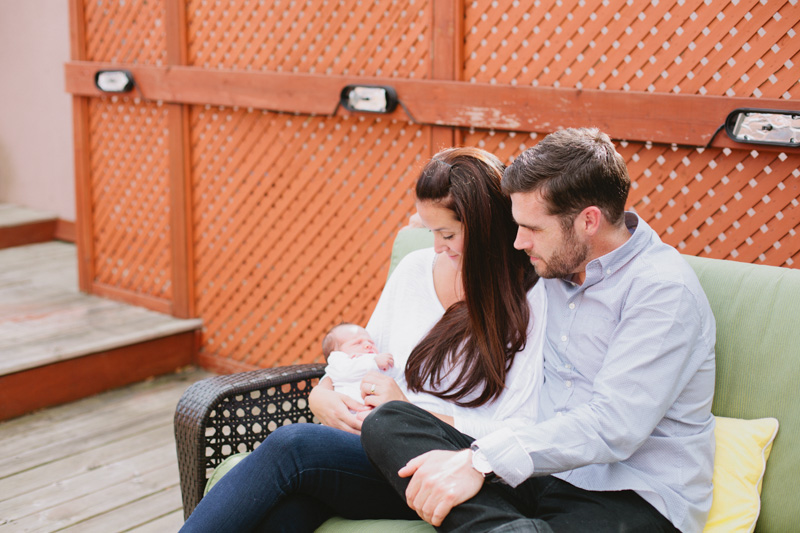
(30, 233)
(84, 223)
(181, 238)
(446, 59)
(635, 116)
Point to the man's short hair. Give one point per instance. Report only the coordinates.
(573, 169)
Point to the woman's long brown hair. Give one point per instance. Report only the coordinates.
(482, 333)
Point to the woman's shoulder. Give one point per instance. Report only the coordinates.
(537, 302)
(537, 293)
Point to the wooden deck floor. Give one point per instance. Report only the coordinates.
(103, 464)
(45, 319)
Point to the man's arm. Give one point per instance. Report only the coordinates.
(648, 363)
(650, 358)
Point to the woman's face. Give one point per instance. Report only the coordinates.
(448, 233)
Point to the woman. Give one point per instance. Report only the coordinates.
(459, 318)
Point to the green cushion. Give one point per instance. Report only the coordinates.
(223, 468)
(341, 525)
(408, 240)
(756, 308)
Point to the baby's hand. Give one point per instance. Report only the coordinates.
(385, 361)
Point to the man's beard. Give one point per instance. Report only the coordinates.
(566, 260)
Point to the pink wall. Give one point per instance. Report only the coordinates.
(36, 159)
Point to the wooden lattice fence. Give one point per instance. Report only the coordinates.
(230, 185)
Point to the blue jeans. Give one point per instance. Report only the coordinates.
(300, 476)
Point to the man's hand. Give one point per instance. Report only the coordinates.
(440, 480)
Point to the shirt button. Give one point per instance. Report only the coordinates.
(608, 271)
(568, 383)
(564, 338)
(568, 366)
(559, 413)
(572, 306)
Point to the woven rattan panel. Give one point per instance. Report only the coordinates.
(355, 37)
(294, 221)
(749, 48)
(721, 203)
(241, 422)
(130, 195)
(129, 31)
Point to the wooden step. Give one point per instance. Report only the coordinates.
(58, 344)
(20, 226)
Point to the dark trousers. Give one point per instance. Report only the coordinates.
(397, 432)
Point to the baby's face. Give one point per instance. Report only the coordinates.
(355, 340)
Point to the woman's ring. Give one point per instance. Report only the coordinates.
(372, 389)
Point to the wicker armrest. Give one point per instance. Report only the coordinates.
(224, 415)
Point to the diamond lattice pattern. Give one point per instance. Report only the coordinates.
(125, 31)
(294, 219)
(747, 49)
(701, 200)
(353, 37)
(130, 195)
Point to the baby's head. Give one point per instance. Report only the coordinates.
(351, 339)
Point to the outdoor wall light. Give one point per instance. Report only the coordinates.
(371, 99)
(764, 126)
(114, 81)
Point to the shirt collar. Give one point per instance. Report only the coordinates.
(597, 269)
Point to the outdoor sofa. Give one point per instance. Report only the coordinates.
(757, 311)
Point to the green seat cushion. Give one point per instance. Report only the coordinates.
(756, 308)
(223, 468)
(341, 525)
(408, 240)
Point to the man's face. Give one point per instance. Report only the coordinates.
(554, 252)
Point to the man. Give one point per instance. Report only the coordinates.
(625, 439)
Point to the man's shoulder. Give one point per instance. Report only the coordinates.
(662, 261)
(662, 268)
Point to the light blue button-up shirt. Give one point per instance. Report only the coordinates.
(628, 384)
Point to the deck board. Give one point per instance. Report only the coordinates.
(105, 463)
(169, 522)
(14, 215)
(44, 319)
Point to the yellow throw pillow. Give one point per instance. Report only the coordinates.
(743, 447)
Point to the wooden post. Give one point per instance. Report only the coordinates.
(179, 172)
(84, 239)
(446, 59)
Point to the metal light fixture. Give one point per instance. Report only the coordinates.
(114, 81)
(370, 99)
(764, 126)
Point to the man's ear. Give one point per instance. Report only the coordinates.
(588, 221)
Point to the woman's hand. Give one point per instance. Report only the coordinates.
(377, 389)
(334, 409)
